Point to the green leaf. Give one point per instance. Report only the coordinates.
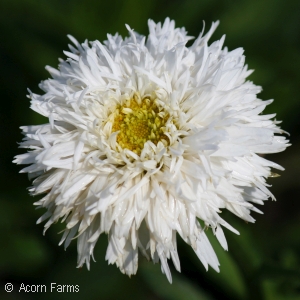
(180, 289)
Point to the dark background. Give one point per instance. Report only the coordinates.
(262, 263)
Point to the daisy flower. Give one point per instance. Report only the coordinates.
(149, 138)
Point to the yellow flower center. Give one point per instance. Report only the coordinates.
(139, 121)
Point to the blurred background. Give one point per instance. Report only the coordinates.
(263, 262)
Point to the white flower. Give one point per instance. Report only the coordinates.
(148, 138)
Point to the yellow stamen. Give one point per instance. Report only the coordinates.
(138, 123)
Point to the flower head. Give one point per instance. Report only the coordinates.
(148, 138)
